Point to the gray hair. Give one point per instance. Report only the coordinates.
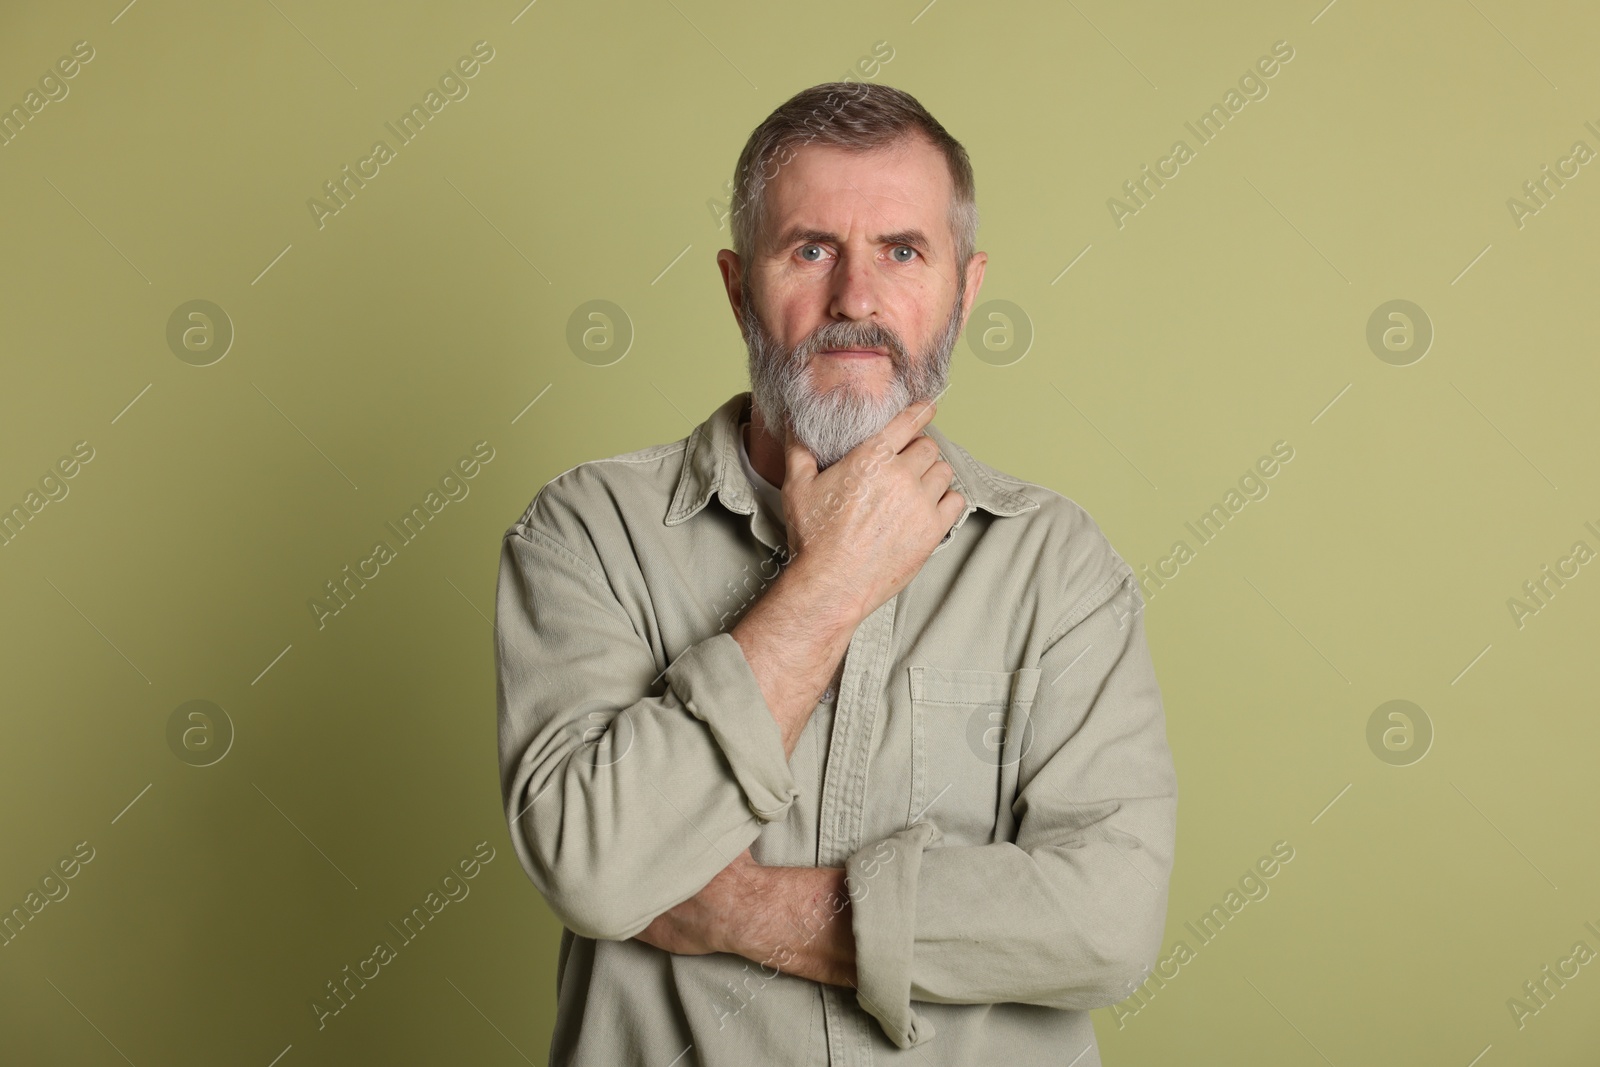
(854, 115)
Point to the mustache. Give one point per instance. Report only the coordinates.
(853, 335)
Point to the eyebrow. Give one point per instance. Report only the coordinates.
(915, 238)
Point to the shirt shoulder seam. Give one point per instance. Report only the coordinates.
(539, 539)
(1120, 574)
(644, 455)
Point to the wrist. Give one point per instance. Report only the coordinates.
(840, 610)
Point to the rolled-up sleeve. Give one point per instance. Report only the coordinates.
(1070, 913)
(715, 683)
(621, 802)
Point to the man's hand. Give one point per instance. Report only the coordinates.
(704, 923)
(864, 527)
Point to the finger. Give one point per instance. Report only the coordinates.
(906, 425)
(922, 453)
(937, 478)
(951, 505)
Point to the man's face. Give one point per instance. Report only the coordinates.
(852, 301)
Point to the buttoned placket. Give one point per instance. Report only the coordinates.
(843, 802)
(842, 805)
(844, 793)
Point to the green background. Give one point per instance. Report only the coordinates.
(586, 163)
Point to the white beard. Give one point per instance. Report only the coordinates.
(829, 424)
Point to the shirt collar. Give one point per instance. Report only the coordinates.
(711, 465)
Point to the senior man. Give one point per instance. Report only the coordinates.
(827, 742)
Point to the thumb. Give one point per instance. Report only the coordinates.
(799, 464)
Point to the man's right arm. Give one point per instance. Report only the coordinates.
(621, 806)
(620, 803)
(793, 638)
(860, 531)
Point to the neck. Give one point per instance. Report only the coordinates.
(766, 451)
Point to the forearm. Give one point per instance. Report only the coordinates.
(793, 637)
(797, 921)
(584, 804)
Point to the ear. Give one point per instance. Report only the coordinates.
(974, 268)
(732, 279)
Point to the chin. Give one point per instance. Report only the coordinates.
(874, 378)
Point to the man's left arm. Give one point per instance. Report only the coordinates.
(1070, 913)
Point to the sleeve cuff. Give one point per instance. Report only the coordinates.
(881, 879)
(714, 681)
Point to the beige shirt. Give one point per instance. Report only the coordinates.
(993, 773)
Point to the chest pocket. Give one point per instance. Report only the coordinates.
(969, 730)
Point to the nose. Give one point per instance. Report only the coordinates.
(854, 285)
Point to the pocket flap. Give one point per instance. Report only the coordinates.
(966, 687)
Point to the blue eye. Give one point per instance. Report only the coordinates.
(803, 250)
(906, 248)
